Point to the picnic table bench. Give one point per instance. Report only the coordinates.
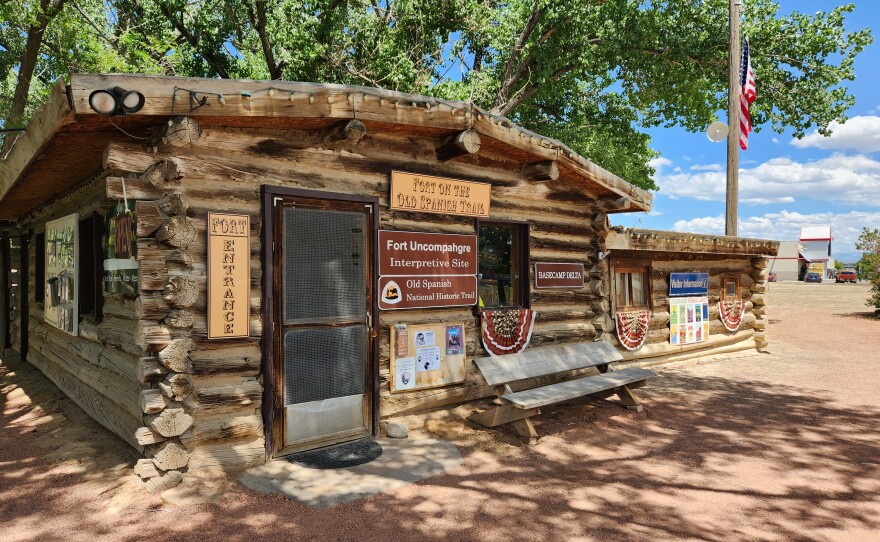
(517, 407)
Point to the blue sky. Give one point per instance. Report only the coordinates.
(784, 183)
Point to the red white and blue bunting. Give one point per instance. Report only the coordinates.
(507, 331)
(731, 312)
(632, 328)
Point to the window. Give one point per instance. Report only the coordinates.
(631, 289)
(91, 266)
(730, 289)
(40, 267)
(503, 264)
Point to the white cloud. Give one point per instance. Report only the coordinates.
(774, 140)
(837, 178)
(706, 167)
(860, 134)
(659, 163)
(786, 226)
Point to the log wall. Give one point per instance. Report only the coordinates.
(223, 170)
(752, 276)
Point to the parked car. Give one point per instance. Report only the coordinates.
(813, 277)
(847, 275)
(771, 277)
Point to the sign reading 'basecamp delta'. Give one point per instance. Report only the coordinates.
(422, 270)
(559, 275)
(229, 270)
(429, 194)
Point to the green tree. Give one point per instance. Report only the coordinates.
(869, 264)
(592, 73)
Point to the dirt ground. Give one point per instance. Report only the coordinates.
(782, 445)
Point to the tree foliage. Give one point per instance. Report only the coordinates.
(869, 265)
(592, 73)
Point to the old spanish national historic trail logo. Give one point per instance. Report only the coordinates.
(391, 293)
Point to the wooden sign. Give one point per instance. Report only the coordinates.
(559, 275)
(229, 276)
(429, 194)
(416, 253)
(427, 292)
(427, 356)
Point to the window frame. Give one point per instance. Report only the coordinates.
(40, 267)
(724, 282)
(630, 267)
(520, 255)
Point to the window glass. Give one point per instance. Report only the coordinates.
(501, 281)
(729, 288)
(631, 289)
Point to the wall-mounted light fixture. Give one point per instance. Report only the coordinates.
(116, 101)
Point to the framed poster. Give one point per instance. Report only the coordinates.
(688, 320)
(61, 306)
(427, 356)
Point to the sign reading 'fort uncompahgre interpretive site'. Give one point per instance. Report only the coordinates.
(421, 270)
(229, 263)
(429, 194)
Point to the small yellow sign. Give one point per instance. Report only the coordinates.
(229, 276)
(429, 194)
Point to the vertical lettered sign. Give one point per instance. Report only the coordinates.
(229, 276)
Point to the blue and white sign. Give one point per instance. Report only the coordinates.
(690, 284)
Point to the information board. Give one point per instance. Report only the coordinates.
(62, 258)
(688, 320)
(688, 284)
(427, 356)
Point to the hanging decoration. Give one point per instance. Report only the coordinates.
(632, 328)
(731, 312)
(507, 331)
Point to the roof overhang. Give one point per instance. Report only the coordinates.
(694, 243)
(65, 141)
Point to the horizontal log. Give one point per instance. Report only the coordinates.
(149, 218)
(146, 469)
(243, 394)
(169, 480)
(151, 336)
(169, 455)
(149, 370)
(226, 456)
(116, 419)
(146, 436)
(171, 422)
(152, 401)
(220, 429)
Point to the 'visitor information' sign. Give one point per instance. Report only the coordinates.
(229, 276)
(688, 284)
(421, 270)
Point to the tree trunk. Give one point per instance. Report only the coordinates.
(49, 9)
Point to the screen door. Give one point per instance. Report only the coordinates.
(325, 310)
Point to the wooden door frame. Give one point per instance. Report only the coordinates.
(272, 398)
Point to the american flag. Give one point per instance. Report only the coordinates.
(747, 95)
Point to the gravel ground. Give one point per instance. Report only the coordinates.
(781, 445)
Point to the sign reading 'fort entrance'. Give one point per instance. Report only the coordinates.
(229, 264)
(421, 270)
(429, 194)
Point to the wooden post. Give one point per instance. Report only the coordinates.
(24, 294)
(733, 91)
(5, 341)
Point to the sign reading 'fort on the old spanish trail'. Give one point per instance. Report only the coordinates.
(428, 194)
(421, 270)
(559, 275)
(229, 259)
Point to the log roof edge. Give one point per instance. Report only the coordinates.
(668, 241)
(254, 99)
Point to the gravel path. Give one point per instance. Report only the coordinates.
(782, 445)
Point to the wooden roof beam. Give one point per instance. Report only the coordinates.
(547, 170)
(350, 132)
(460, 144)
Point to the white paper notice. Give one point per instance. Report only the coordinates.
(425, 338)
(404, 373)
(428, 359)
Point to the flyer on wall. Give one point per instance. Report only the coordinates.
(688, 320)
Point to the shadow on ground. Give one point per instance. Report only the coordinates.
(709, 459)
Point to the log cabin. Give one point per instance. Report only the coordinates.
(222, 272)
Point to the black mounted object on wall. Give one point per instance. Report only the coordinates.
(116, 101)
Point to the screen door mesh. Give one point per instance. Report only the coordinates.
(323, 363)
(324, 273)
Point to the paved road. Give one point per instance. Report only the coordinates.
(782, 445)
